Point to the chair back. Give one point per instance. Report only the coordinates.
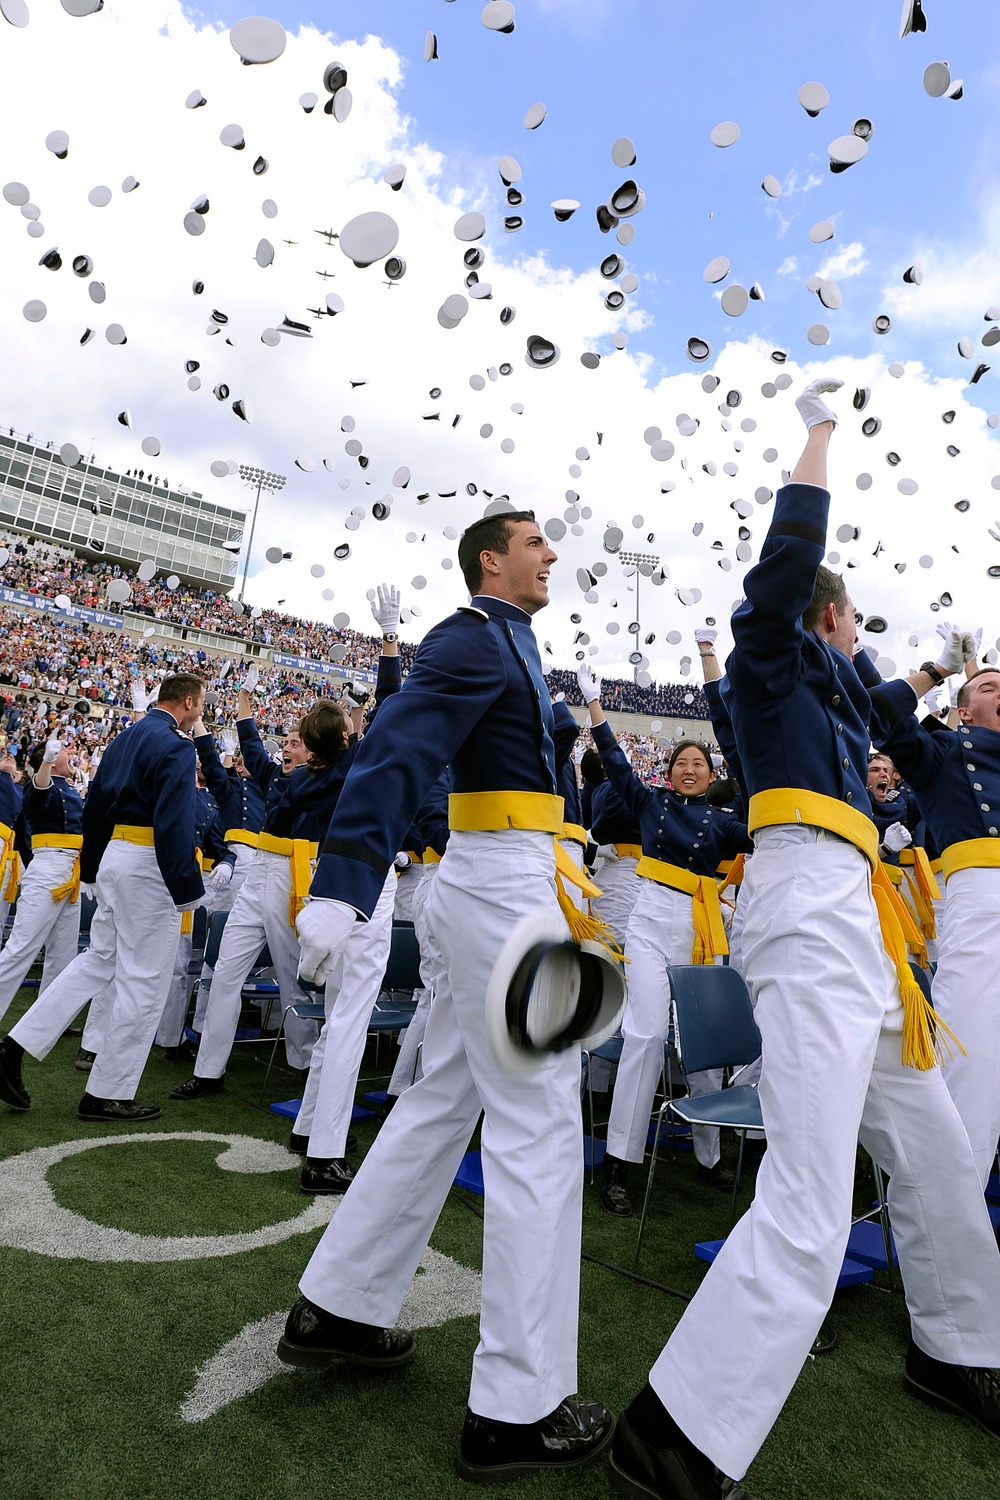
(715, 1023)
(216, 924)
(402, 972)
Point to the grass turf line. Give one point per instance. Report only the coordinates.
(99, 1357)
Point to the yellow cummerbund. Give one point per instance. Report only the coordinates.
(431, 857)
(970, 854)
(413, 856)
(489, 812)
(666, 874)
(133, 834)
(894, 873)
(271, 845)
(57, 841)
(628, 851)
(709, 931)
(576, 833)
(795, 805)
(241, 836)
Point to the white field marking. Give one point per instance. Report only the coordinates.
(440, 1291)
(31, 1219)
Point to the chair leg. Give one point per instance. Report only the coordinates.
(270, 1060)
(659, 1116)
(739, 1173)
(416, 1063)
(590, 1112)
(883, 1214)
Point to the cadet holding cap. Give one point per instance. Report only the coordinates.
(476, 684)
(830, 1016)
(139, 850)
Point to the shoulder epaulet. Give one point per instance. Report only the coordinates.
(470, 609)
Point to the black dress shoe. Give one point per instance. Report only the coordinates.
(313, 1339)
(185, 1052)
(652, 1459)
(84, 1060)
(718, 1177)
(300, 1144)
(12, 1089)
(614, 1188)
(73, 1031)
(120, 1111)
(326, 1176)
(974, 1392)
(197, 1088)
(493, 1452)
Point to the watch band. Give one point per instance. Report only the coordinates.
(932, 672)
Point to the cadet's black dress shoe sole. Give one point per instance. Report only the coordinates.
(84, 1060)
(313, 1339)
(973, 1392)
(117, 1111)
(495, 1452)
(198, 1088)
(326, 1178)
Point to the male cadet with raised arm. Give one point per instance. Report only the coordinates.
(138, 846)
(957, 780)
(476, 700)
(830, 1016)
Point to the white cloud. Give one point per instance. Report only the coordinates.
(117, 82)
(788, 266)
(849, 260)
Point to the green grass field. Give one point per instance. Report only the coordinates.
(100, 1356)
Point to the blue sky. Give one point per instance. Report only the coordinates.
(665, 74)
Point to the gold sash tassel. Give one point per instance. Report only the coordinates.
(926, 1038)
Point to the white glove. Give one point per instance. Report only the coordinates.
(897, 837)
(358, 693)
(704, 635)
(970, 645)
(230, 744)
(137, 692)
(933, 700)
(221, 876)
(51, 751)
(385, 609)
(952, 658)
(324, 927)
(977, 639)
(89, 889)
(590, 684)
(251, 679)
(191, 905)
(955, 686)
(812, 408)
(607, 852)
(402, 861)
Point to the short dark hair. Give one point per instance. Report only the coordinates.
(962, 701)
(592, 767)
(491, 534)
(679, 750)
(178, 686)
(829, 589)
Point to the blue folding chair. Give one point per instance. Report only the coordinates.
(715, 1029)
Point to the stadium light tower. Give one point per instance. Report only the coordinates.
(257, 479)
(639, 561)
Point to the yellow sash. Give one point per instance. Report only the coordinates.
(576, 833)
(486, 812)
(628, 851)
(970, 854)
(894, 873)
(132, 834)
(415, 858)
(299, 852)
(922, 887)
(925, 1035)
(731, 872)
(241, 836)
(431, 857)
(10, 862)
(187, 917)
(71, 885)
(709, 933)
(793, 805)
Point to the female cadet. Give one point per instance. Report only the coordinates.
(676, 919)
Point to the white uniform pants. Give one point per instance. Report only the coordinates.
(171, 1028)
(408, 882)
(967, 998)
(133, 939)
(40, 921)
(532, 1140)
(98, 1016)
(351, 991)
(259, 915)
(830, 1018)
(660, 932)
(620, 887)
(406, 1070)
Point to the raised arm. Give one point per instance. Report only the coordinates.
(633, 792)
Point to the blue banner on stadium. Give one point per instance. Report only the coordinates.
(75, 611)
(325, 668)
